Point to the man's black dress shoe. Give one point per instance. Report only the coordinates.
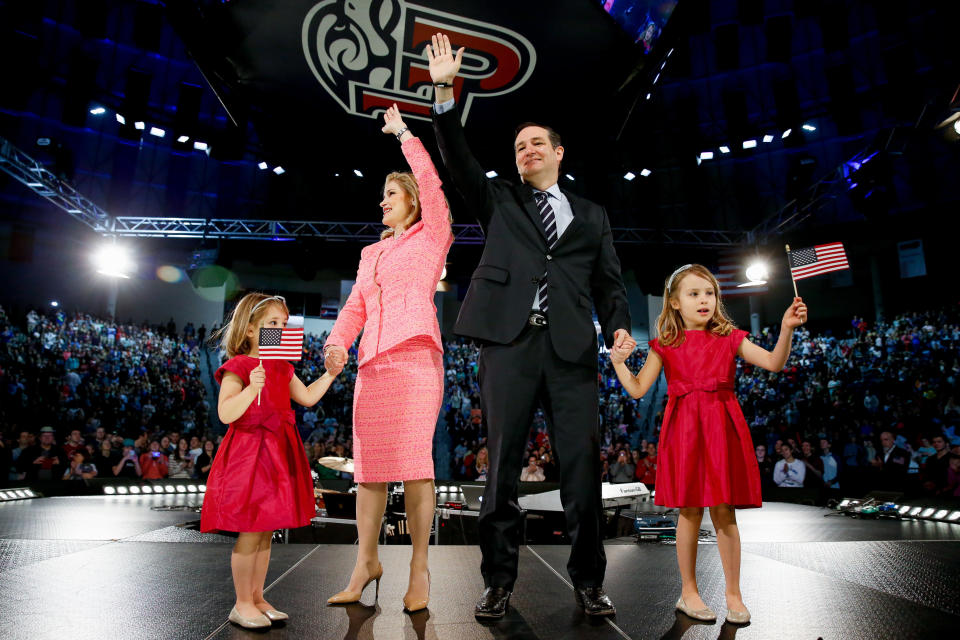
(594, 600)
(492, 603)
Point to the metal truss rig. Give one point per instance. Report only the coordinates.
(44, 183)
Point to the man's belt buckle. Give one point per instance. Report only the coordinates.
(537, 319)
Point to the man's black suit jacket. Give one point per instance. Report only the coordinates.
(583, 268)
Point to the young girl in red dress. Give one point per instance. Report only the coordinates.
(706, 453)
(260, 480)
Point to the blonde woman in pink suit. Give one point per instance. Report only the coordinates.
(399, 387)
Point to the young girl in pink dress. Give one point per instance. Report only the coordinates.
(259, 480)
(706, 454)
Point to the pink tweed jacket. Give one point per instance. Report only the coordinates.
(392, 299)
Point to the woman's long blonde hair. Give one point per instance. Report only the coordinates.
(232, 336)
(408, 183)
(670, 331)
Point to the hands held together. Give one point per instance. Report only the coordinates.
(623, 346)
(334, 359)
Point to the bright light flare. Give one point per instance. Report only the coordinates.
(114, 261)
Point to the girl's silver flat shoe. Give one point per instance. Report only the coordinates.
(738, 617)
(707, 614)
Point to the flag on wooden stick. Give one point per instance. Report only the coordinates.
(281, 344)
(822, 258)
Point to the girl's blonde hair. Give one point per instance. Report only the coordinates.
(670, 331)
(408, 183)
(232, 336)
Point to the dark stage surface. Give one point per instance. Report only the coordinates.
(111, 567)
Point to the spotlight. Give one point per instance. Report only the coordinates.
(140, 125)
(135, 490)
(263, 165)
(122, 491)
(146, 489)
(749, 144)
(904, 509)
(181, 488)
(279, 170)
(183, 139)
(786, 133)
(757, 271)
(358, 173)
(113, 260)
(202, 488)
(109, 491)
(940, 515)
(706, 155)
(768, 138)
(569, 177)
(21, 493)
(492, 174)
(54, 304)
(192, 488)
(169, 488)
(98, 111)
(648, 95)
(629, 175)
(121, 119)
(157, 131)
(809, 127)
(200, 146)
(927, 512)
(30, 493)
(645, 172)
(953, 517)
(724, 149)
(915, 511)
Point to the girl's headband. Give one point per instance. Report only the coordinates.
(674, 275)
(265, 301)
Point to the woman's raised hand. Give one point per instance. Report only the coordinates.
(392, 120)
(444, 65)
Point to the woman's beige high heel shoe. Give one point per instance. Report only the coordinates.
(706, 614)
(411, 605)
(348, 597)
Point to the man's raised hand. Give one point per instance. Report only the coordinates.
(444, 65)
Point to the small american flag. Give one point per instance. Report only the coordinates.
(823, 258)
(281, 344)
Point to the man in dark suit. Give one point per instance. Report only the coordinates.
(893, 463)
(548, 258)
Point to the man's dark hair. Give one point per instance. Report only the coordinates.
(551, 134)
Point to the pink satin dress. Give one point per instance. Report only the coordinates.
(260, 479)
(706, 454)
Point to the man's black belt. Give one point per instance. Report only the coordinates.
(537, 319)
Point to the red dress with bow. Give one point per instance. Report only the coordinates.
(706, 455)
(260, 480)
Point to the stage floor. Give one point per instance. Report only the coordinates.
(96, 567)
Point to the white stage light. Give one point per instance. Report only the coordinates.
(927, 512)
(183, 139)
(492, 174)
(645, 172)
(844, 503)
(169, 488)
(706, 155)
(279, 170)
(98, 111)
(113, 260)
(915, 511)
(940, 515)
(809, 127)
(200, 146)
(648, 95)
(956, 126)
(768, 138)
(157, 131)
(140, 125)
(749, 144)
(181, 488)
(192, 488)
(953, 517)
(904, 509)
(757, 271)
(122, 491)
(724, 149)
(109, 491)
(202, 488)
(786, 133)
(121, 119)
(358, 173)
(629, 175)
(54, 304)
(146, 489)
(263, 165)
(569, 177)
(135, 490)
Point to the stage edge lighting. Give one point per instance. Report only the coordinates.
(706, 155)
(109, 490)
(492, 174)
(140, 125)
(358, 173)
(904, 509)
(200, 146)
(915, 511)
(927, 512)
(941, 514)
(768, 138)
(645, 172)
(279, 170)
(953, 517)
(121, 119)
(98, 111)
(263, 165)
(157, 131)
(809, 127)
(569, 177)
(786, 133)
(724, 149)
(749, 144)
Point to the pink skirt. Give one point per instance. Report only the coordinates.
(395, 407)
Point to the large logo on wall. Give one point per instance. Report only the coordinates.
(368, 54)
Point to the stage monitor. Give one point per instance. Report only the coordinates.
(643, 20)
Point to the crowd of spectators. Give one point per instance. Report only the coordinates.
(868, 407)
